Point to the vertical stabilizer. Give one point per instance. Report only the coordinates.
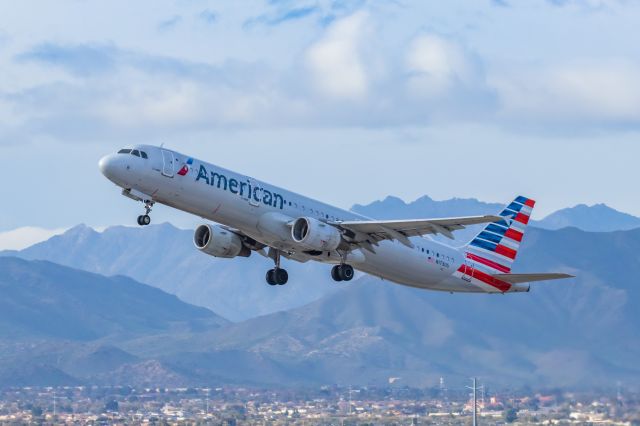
(495, 248)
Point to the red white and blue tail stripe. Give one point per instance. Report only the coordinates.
(494, 250)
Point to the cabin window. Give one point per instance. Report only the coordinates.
(423, 249)
(124, 151)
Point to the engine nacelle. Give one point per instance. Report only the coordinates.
(219, 242)
(315, 235)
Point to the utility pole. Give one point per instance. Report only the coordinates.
(54, 403)
(475, 401)
(207, 395)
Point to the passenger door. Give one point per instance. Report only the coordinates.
(167, 163)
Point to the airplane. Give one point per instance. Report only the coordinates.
(254, 216)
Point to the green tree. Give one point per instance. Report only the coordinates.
(510, 415)
(111, 405)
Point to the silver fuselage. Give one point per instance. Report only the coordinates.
(247, 204)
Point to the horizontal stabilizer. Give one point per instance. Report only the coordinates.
(528, 278)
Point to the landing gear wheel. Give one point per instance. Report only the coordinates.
(144, 219)
(271, 279)
(277, 276)
(346, 272)
(281, 276)
(342, 273)
(335, 273)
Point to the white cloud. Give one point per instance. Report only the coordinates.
(435, 65)
(594, 94)
(336, 62)
(24, 237)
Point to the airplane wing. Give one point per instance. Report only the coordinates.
(368, 232)
(528, 278)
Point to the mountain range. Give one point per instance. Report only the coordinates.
(58, 324)
(597, 218)
(164, 256)
(93, 329)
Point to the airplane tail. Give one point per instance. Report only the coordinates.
(496, 247)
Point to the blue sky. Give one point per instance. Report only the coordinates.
(346, 100)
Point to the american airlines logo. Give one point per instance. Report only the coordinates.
(242, 188)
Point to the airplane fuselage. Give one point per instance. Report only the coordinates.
(262, 211)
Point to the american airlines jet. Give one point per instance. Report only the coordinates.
(251, 215)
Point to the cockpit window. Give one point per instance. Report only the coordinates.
(136, 153)
(124, 151)
(143, 154)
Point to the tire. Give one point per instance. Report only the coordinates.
(140, 221)
(146, 219)
(271, 280)
(281, 276)
(335, 273)
(346, 272)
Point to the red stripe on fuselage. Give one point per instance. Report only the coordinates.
(489, 263)
(506, 251)
(485, 278)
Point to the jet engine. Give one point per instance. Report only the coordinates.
(219, 242)
(315, 235)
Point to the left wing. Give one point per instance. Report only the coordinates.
(370, 232)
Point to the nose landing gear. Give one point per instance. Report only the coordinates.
(145, 219)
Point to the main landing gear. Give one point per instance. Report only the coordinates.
(145, 219)
(342, 272)
(277, 275)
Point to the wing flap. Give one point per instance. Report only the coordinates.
(529, 278)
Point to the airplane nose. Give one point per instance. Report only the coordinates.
(107, 165)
